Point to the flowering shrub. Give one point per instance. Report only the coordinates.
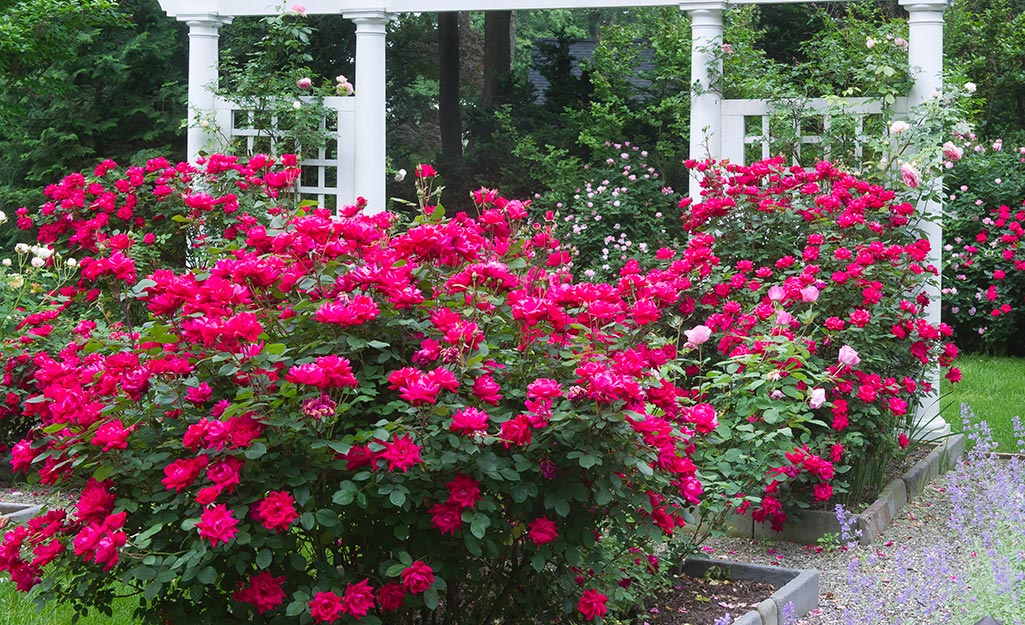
(329, 416)
(619, 213)
(805, 330)
(984, 263)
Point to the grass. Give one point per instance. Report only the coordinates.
(18, 608)
(994, 387)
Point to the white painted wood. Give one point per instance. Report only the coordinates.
(204, 34)
(321, 7)
(925, 53)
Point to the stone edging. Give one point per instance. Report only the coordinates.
(814, 524)
(18, 512)
(797, 587)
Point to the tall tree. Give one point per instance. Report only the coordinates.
(499, 44)
(450, 115)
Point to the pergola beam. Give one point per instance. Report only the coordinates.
(334, 7)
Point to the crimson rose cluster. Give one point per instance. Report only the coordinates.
(328, 418)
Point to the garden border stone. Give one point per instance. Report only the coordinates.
(815, 524)
(18, 512)
(799, 587)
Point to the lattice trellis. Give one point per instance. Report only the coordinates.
(751, 127)
(328, 177)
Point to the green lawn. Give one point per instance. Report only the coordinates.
(17, 608)
(994, 388)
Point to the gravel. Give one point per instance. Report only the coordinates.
(919, 526)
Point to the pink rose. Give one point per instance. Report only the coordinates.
(912, 177)
(698, 334)
(848, 356)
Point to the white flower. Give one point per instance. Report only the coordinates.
(970, 87)
(3, 217)
(42, 252)
(16, 281)
(21, 248)
(400, 175)
(297, 105)
(71, 262)
(6, 262)
(898, 126)
(37, 262)
(870, 43)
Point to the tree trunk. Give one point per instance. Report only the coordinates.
(498, 55)
(449, 116)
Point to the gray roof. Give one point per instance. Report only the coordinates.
(581, 52)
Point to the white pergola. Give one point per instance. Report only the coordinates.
(206, 17)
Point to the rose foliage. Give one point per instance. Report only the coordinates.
(333, 417)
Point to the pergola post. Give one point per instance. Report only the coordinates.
(204, 33)
(925, 56)
(705, 69)
(371, 107)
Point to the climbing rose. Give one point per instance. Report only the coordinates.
(912, 177)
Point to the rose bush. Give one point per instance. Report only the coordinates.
(984, 264)
(327, 417)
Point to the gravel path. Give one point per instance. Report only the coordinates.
(919, 526)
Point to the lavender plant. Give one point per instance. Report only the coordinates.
(979, 572)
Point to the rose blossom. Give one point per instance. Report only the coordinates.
(818, 397)
(276, 511)
(951, 152)
(264, 592)
(417, 577)
(898, 127)
(326, 607)
(698, 334)
(912, 177)
(217, 525)
(592, 604)
(358, 599)
(542, 530)
(848, 356)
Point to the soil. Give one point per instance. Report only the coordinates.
(694, 601)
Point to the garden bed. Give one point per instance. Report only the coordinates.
(814, 524)
(740, 589)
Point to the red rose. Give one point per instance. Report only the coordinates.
(358, 599)
(418, 577)
(276, 511)
(390, 596)
(592, 604)
(326, 607)
(542, 531)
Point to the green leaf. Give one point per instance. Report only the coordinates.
(562, 508)
(397, 498)
(207, 576)
(431, 598)
(479, 525)
(327, 517)
(264, 558)
(256, 450)
(395, 570)
(537, 561)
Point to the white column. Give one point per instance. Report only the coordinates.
(204, 32)
(705, 68)
(369, 142)
(925, 58)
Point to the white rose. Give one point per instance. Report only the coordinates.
(3, 217)
(899, 126)
(970, 87)
(6, 262)
(37, 262)
(21, 248)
